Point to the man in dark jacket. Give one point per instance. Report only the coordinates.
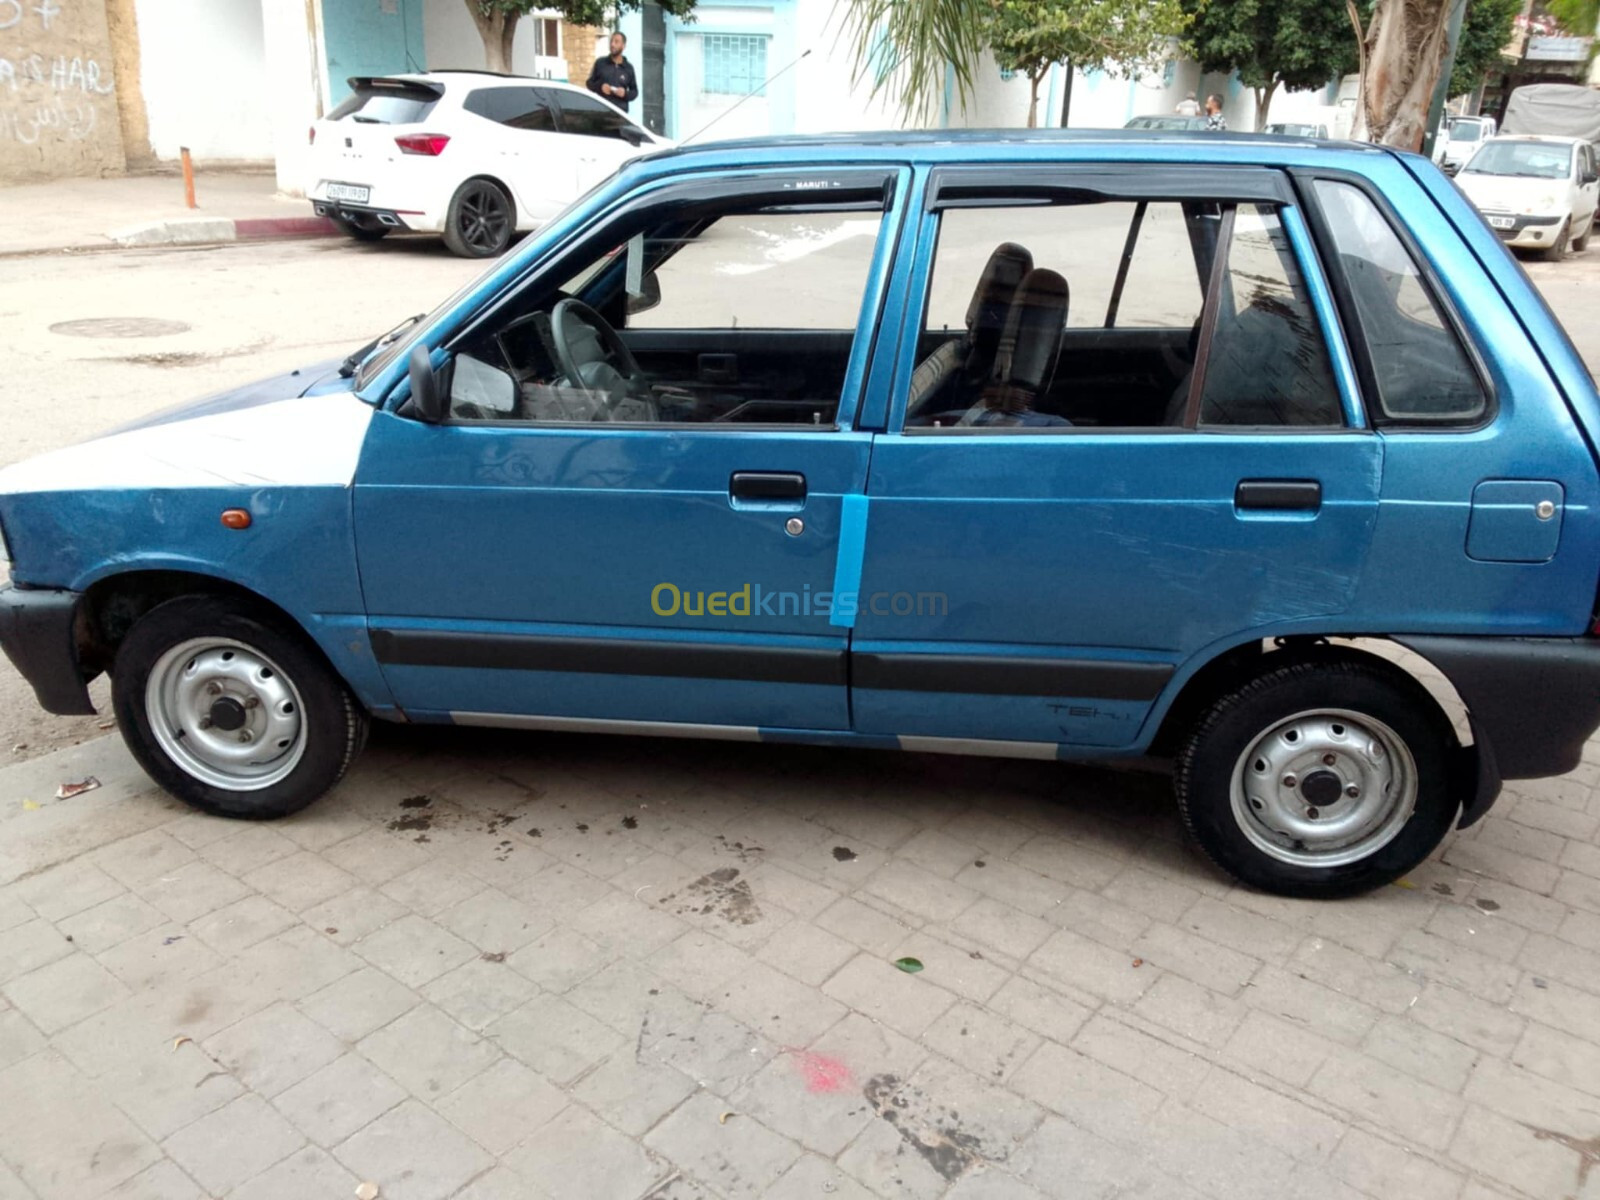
(612, 77)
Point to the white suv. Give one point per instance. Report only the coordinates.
(472, 155)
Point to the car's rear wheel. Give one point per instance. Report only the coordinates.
(362, 231)
(1327, 777)
(1558, 251)
(480, 221)
(232, 712)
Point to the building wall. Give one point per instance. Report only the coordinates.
(373, 37)
(58, 104)
(451, 41)
(202, 78)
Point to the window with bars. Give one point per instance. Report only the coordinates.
(735, 64)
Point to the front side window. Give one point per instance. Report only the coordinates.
(717, 313)
(1421, 370)
(587, 116)
(1082, 313)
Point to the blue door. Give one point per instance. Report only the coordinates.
(1153, 451)
(631, 517)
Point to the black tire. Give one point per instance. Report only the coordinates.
(1580, 244)
(361, 232)
(332, 725)
(1558, 251)
(1331, 682)
(481, 220)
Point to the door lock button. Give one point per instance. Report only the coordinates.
(794, 526)
(1544, 510)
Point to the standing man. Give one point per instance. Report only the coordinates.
(612, 76)
(1188, 106)
(1215, 121)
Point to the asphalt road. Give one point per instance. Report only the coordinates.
(256, 310)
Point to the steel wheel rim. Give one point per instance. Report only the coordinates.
(482, 219)
(1324, 788)
(226, 714)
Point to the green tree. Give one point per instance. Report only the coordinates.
(1293, 44)
(1030, 36)
(1485, 29)
(1577, 17)
(497, 19)
(915, 49)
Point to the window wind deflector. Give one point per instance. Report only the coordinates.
(1025, 184)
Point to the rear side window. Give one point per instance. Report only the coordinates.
(586, 115)
(516, 107)
(1268, 363)
(386, 105)
(1422, 372)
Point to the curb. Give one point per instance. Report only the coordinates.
(198, 231)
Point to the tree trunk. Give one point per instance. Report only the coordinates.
(1405, 44)
(498, 29)
(1264, 103)
(1033, 99)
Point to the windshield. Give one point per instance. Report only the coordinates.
(1466, 131)
(1536, 160)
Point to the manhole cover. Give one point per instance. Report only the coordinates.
(119, 327)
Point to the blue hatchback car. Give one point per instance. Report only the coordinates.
(1040, 445)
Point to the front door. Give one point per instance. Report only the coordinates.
(1162, 456)
(594, 538)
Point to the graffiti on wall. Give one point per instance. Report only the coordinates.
(57, 95)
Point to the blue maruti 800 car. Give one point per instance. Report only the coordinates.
(1052, 446)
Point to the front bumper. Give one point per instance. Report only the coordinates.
(38, 633)
(1528, 231)
(1533, 702)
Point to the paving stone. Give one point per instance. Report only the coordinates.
(743, 1164)
(1002, 927)
(72, 1142)
(778, 1007)
(62, 891)
(1094, 916)
(883, 1160)
(1247, 932)
(1515, 1154)
(501, 1106)
(1067, 862)
(1014, 885)
(713, 1049)
(109, 923)
(375, 857)
(353, 915)
(190, 891)
(19, 1037)
(161, 955)
(1215, 1159)
(1297, 1129)
(875, 987)
(807, 953)
(332, 1103)
(233, 1144)
(1555, 1004)
(633, 1092)
(1093, 968)
(145, 856)
(1196, 959)
(1532, 1099)
(273, 1049)
(414, 950)
(1089, 1094)
(1555, 959)
(480, 992)
(559, 960)
(242, 924)
(247, 848)
(300, 881)
(353, 1006)
(576, 1156)
(1196, 1013)
(1062, 1160)
(412, 1153)
(1572, 1061)
(984, 1043)
(873, 931)
(812, 1098)
(810, 1177)
(1110, 1040)
(1311, 1005)
(920, 890)
(1381, 1095)
(29, 946)
(1354, 974)
(1421, 1053)
(554, 1038)
(495, 922)
(308, 1172)
(159, 1181)
(502, 1183)
(1378, 1167)
(428, 1052)
(1466, 1018)
(64, 992)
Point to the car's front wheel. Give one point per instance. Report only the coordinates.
(1558, 251)
(1580, 244)
(232, 712)
(1326, 777)
(480, 221)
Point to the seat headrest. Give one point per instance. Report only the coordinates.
(998, 283)
(1031, 342)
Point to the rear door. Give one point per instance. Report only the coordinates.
(1036, 573)
(602, 137)
(519, 135)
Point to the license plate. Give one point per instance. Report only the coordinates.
(1503, 222)
(353, 192)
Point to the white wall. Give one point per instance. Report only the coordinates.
(202, 71)
(451, 40)
(824, 99)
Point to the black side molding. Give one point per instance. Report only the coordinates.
(36, 632)
(996, 675)
(607, 656)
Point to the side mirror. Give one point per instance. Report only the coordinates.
(1590, 177)
(648, 297)
(430, 392)
(631, 134)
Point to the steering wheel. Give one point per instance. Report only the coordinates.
(594, 358)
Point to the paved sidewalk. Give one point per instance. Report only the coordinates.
(494, 965)
(85, 213)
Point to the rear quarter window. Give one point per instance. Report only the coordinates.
(1422, 372)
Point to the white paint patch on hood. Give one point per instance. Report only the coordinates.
(307, 441)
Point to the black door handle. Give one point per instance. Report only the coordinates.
(767, 485)
(1278, 495)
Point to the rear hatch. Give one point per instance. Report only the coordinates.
(353, 148)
